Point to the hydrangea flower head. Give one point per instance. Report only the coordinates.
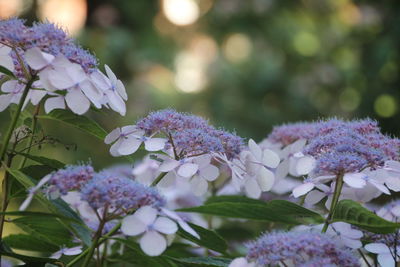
(71, 178)
(296, 248)
(286, 134)
(118, 192)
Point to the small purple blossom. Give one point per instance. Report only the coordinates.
(190, 134)
(118, 192)
(291, 132)
(296, 248)
(71, 178)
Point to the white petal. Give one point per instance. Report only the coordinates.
(5, 101)
(393, 183)
(351, 243)
(121, 90)
(36, 96)
(154, 144)
(199, 186)
(380, 187)
(270, 158)
(168, 165)
(314, 197)
(100, 81)
(168, 180)
(355, 180)
(302, 189)
(252, 188)
(146, 214)
(54, 103)
(386, 260)
(305, 165)
(265, 179)
(298, 145)
(112, 136)
(76, 72)
(188, 170)
(209, 172)
(37, 59)
(153, 243)
(255, 149)
(129, 145)
(91, 92)
(173, 215)
(165, 225)
(115, 147)
(73, 251)
(59, 79)
(377, 248)
(131, 225)
(116, 102)
(7, 62)
(26, 202)
(110, 74)
(5, 50)
(77, 101)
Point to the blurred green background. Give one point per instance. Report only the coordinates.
(245, 65)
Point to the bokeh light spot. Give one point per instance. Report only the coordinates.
(10, 8)
(385, 106)
(237, 47)
(69, 14)
(306, 44)
(181, 12)
(349, 99)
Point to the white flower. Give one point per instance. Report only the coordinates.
(309, 183)
(258, 177)
(392, 169)
(146, 222)
(5, 59)
(385, 256)
(289, 156)
(32, 191)
(13, 93)
(127, 140)
(67, 251)
(113, 89)
(205, 173)
(360, 180)
(146, 170)
(350, 237)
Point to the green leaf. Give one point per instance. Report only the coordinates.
(29, 242)
(6, 71)
(352, 212)
(30, 261)
(37, 172)
(81, 122)
(206, 261)
(49, 230)
(280, 211)
(39, 214)
(53, 163)
(208, 238)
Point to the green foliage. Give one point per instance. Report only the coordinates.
(280, 211)
(53, 163)
(205, 261)
(81, 122)
(208, 238)
(6, 71)
(352, 212)
(29, 242)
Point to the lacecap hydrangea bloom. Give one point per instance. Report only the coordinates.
(299, 249)
(45, 59)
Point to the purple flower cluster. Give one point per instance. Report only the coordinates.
(297, 248)
(319, 262)
(342, 147)
(48, 38)
(289, 133)
(119, 193)
(190, 134)
(71, 178)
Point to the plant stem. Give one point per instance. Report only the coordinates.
(94, 245)
(158, 179)
(33, 129)
(335, 199)
(364, 258)
(14, 120)
(100, 241)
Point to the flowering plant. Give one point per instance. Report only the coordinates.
(307, 190)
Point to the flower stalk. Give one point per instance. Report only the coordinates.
(335, 199)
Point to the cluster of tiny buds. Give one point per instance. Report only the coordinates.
(299, 249)
(189, 134)
(48, 37)
(71, 178)
(341, 146)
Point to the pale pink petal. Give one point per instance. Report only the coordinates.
(132, 225)
(153, 243)
(165, 225)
